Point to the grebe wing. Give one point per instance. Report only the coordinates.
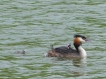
(64, 49)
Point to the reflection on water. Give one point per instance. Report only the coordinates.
(79, 62)
(79, 66)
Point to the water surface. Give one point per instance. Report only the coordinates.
(34, 25)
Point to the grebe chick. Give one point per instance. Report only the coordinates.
(67, 51)
(69, 46)
(20, 52)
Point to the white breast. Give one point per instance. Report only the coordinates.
(82, 52)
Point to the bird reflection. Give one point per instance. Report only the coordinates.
(78, 68)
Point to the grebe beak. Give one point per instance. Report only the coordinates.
(86, 40)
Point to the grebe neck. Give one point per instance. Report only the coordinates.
(80, 50)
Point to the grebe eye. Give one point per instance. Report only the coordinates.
(83, 37)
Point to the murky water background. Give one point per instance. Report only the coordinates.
(33, 25)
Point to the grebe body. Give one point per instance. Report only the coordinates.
(68, 51)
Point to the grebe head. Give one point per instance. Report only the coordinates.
(78, 39)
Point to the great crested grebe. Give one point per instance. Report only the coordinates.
(67, 51)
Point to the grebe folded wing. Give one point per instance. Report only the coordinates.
(64, 49)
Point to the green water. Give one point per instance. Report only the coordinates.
(33, 25)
